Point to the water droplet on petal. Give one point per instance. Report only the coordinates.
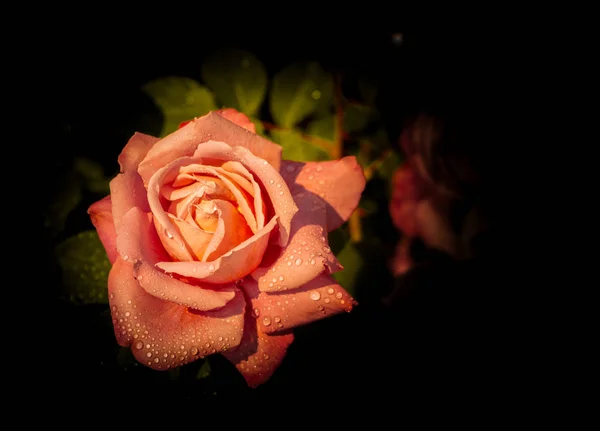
(169, 234)
(298, 262)
(149, 354)
(266, 321)
(211, 267)
(277, 319)
(256, 312)
(319, 168)
(281, 278)
(315, 296)
(139, 345)
(330, 290)
(266, 356)
(339, 295)
(111, 296)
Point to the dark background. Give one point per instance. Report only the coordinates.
(446, 339)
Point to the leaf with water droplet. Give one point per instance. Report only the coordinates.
(299, 90)
(296, 147)
(85, 268)
(179, 99)
(238, 79)
(352, 261)
(204, 370)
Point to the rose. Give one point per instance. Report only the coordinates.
(219, 246)
(419, 205)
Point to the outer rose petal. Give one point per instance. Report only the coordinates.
(184, 141)
(307, 254)
(340, 183)
(238, 118)
(259, 354)
(165, 335)
(234, 116)
(126, 189)
(101, 214)
(402, 261)
(317, 299)
(139, 243)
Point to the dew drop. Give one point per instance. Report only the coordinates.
(319, 168)
(330, 290)
(277, 319)
(111, 296)
(298, 262)
(339, 295)
(266, 321)
(194, 350)
(271, 181)
(326, 249)
(321, 182)
(256, 312)
(127, 314)
(266, 356)
(169, 234)
(149, 354)
(281, 278)
(315, 296)
(211, 267)
(156, 360)
(139, 345)
(312, 262)
(327, 300)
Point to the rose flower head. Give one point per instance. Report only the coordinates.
(218, 245)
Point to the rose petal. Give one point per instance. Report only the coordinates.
(307, 254)
(140, 244)
(171, 238)
(127, 189)
(281, 199)
(259, 354)
(238, 118)
(165, 335)
(101, 214)
(195, 238)
(340, 183)
(232, 266)
(237, 169)
(183, 142)
(231, 231)
(317, 299)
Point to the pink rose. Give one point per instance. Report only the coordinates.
(219, 246)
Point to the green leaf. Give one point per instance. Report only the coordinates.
(85, 268)
(93, 175)
(389, 165)
(298, 90)
(337, 240)
(357, 117)
(323, 127)
(238, 79)
(67, 195)
(180, 99)
(295, 147)
(204, 370)
(352, 261)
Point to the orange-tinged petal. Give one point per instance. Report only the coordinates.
(232, 266)
(272, 182)
(238, 118)
(307, 254)
(339, 183)
(165, 335)
(184, 141)
(231, 231)
(319, 298)
(140, 244)
(259, 354)
(101, 215)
